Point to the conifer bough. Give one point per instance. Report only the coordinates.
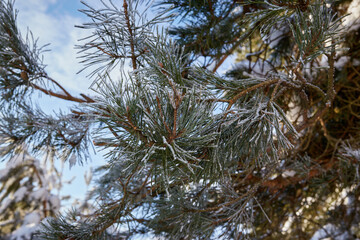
(267, 150)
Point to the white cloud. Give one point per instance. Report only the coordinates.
(40, 5)
(51, 23)
(58, 30)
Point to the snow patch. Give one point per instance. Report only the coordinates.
(54, 202)
(24, 232)
(288, 173)
(353, 20)
(32, 218)
(5, 203)
(30, 225)
(340, 63)
(330, 231)
(20, 193)
(4, 172)
(40, 194)
(356, 62)
(72, 160)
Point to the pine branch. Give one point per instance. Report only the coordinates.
(131, 35)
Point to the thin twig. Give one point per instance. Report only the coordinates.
(132, 45)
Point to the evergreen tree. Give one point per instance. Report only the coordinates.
(27, 195)
(267, 150)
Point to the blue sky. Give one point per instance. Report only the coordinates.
(52, 21)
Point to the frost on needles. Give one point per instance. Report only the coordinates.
(219, 119)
